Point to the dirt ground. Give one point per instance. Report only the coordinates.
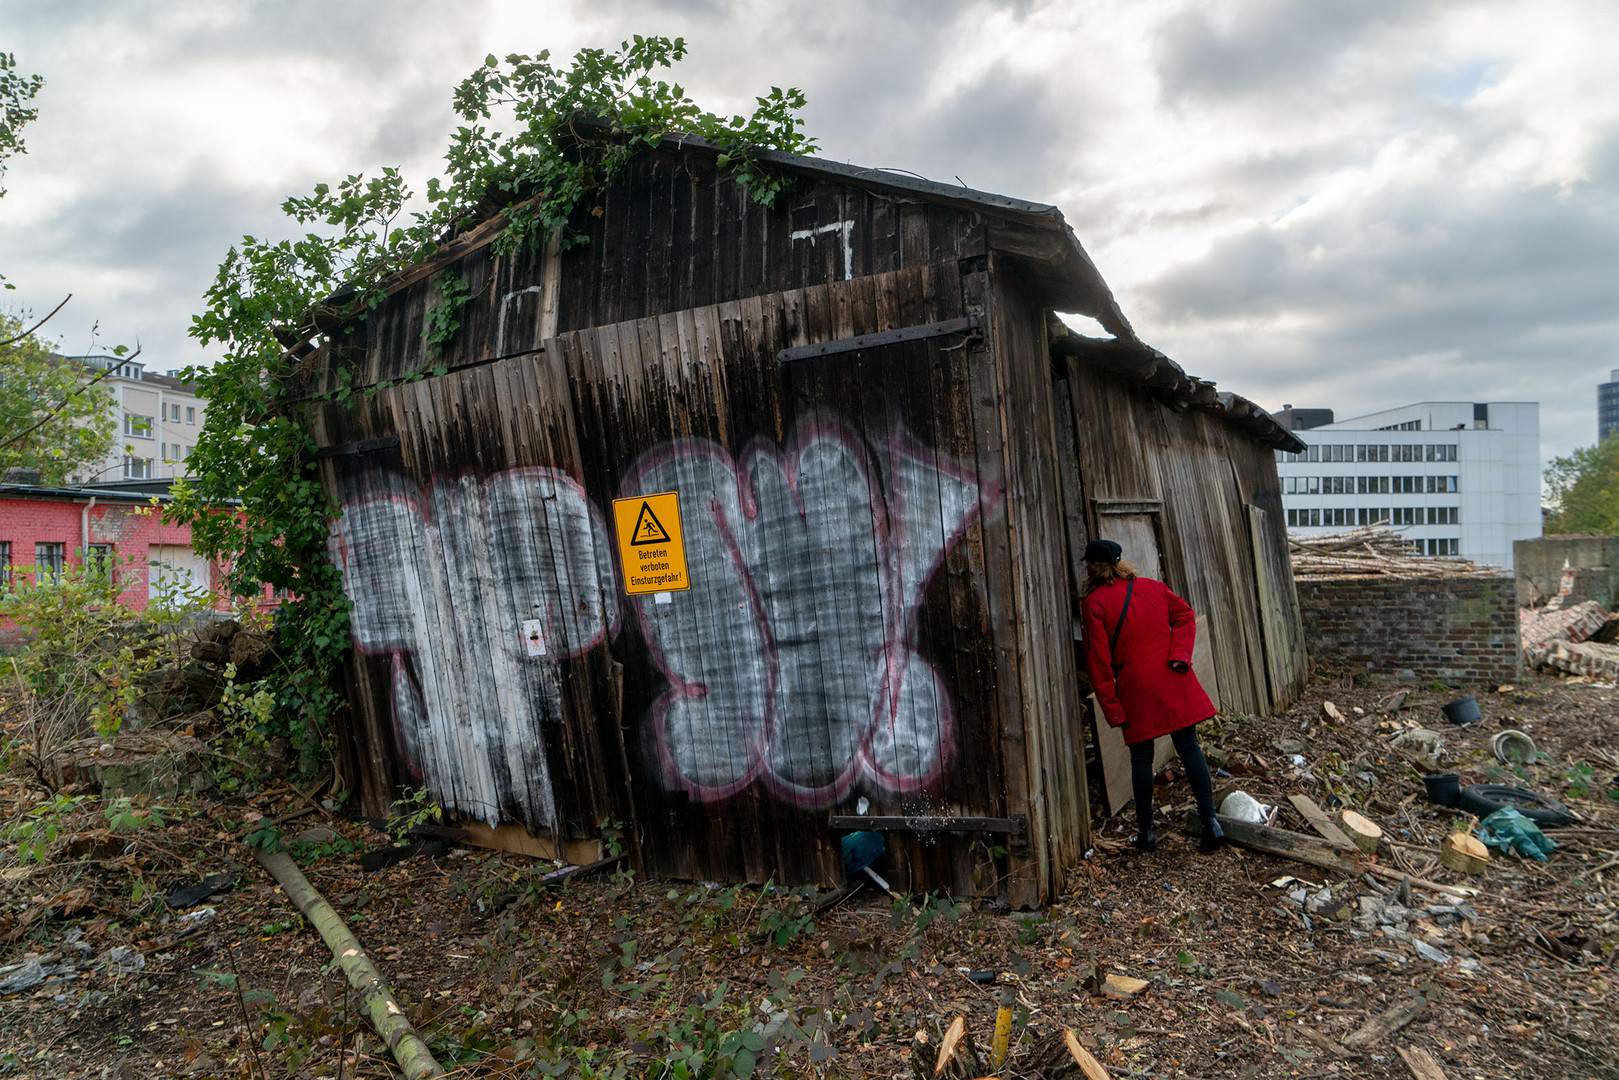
(1247, 974)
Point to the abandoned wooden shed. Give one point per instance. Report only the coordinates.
(877, 454)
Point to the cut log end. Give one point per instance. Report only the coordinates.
(1063, 1057)
(1364, 832)
(958, 1057)
(1465, 853)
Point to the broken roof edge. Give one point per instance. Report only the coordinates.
(1138, 362)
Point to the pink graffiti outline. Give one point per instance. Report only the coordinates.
(899, 611)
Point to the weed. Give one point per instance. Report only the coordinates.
(35, 833)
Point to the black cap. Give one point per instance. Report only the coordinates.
(1105, 551)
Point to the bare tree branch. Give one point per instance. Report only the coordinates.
(40, 323)
(60, 405)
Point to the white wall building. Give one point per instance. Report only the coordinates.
(158, 420)
(1454, 477)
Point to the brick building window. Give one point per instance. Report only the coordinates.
(99, 563)
(50, 558)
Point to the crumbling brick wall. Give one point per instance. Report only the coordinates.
(1453, 629)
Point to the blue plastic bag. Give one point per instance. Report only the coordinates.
(1508, 830)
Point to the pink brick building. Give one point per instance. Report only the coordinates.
(44, 529)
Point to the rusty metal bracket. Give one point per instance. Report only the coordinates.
(968, 325)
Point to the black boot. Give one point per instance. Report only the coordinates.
(1145, 840)
(1213, 836)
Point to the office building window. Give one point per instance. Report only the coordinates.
(1372, 515)
(50, 558)
(137, 468)
(1304, 519)
(1407, 515)
(1445, 546)
(1441, 453)
(1405, 485)
(1337, 485)
(1341, 516)
(191, 415)
(1371, 453)
(1443, 515)
(1372, 485)
(1439, 485)
(139, 427)
(1301, 485)
(1405, 452)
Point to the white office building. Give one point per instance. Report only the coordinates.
(158, 418)
(1454, 477)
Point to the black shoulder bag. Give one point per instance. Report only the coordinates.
(1113, 641)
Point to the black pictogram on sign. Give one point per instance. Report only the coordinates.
(648, 529)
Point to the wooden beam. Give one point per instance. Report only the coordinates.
(1321, 823)
(1280, 842)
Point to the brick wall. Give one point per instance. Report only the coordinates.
(1452, 629)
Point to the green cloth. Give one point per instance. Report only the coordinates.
(1508, 830)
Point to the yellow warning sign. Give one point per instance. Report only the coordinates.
(650, 545)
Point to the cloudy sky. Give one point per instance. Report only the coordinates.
(1350, 205)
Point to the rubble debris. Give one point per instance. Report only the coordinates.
(1557, 638)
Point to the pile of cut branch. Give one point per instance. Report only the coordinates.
(1370, 551)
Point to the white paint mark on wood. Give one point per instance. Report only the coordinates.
(846, 228)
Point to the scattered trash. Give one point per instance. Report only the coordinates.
(1485, 799)
(1513, 747)
(1444, 789)
(1394, 702)
(1425, 743)
(1463, 711)
(193, 921)
(1508, 830)
(191, 895)
(1244, 807)
(122, 960)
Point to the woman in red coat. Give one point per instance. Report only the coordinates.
(1139, 639)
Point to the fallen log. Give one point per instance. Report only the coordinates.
(1422, 883)
(386, 1016)
(1273, 841)
(1386, 1023)
(1061, 1057)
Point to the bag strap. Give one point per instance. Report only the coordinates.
(1113, 641)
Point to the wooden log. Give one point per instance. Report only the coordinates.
(1465, 853)
(1061, 1057)
(1421, 1063)
(1365, 832)
(1330, 713)
(1386, 1023)
(1321, 823)
(1281, 842)
(1422, 883)
(414, 1058)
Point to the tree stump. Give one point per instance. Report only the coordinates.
(1061, 1057)
(1464, 852)
(957, 1057)
(1362, 830)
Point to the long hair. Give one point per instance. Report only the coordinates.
(1098, 574)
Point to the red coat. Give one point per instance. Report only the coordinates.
(1147, 698)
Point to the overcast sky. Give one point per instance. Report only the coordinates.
(1345, 205)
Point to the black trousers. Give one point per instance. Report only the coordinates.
(1192, 760)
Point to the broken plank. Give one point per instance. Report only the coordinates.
(1422, 883)
(1386, 1023)
(1421, 1063)
(1280, 842)
(1321, 823)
